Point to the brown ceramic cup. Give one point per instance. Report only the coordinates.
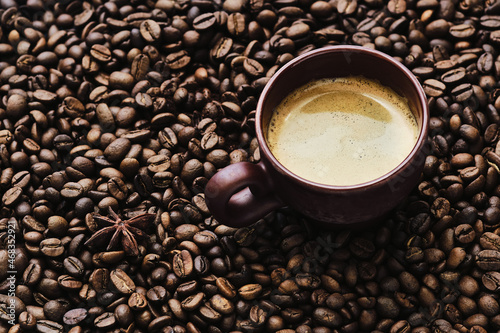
(242, 193)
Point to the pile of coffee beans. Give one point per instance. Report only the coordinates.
(134, 105)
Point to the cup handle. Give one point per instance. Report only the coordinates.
(240, 194)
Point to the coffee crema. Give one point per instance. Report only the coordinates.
(342, 131)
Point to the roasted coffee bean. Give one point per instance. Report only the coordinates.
(156, 294)
(183, 264)
(32, 274)
(250, 291)
(139, 67)
(105, 320)
(222, 48)
(201, 265)
(48, 326)
(150, 30)
(490, 21)
(122, 282)
(27, 321)
(117, 149)
(55, 309)
(12, 195)
(5, 136)
(236, 24)
(485, 63)
(462, 31)
(488, 305)
(123, 315)
(434, 88)
(119, 80)
(69, 283)
(117, 188)
(221, 304)
(178, 60)
(192, 302)
(253, 67)
(137, 301)
(52, 247)
(327, 317)
(490, 241)
(72, 190)
(73, 266)
(453, 76)
(75, 316)
(99, 279)
(225, 287)
(362, 248)
(100, 53)
(308, 281)
(488, 259)
(463, 92)
(464, 233)
(204, 21)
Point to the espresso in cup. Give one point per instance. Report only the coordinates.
(343, 151)
(342, 131)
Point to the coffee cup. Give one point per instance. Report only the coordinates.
(242, 193)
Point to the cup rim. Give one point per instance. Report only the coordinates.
(335, 49)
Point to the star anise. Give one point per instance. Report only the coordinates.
(116, 229)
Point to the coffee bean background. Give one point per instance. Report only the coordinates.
(134, 105)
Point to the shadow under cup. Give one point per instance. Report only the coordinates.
(350, 205)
